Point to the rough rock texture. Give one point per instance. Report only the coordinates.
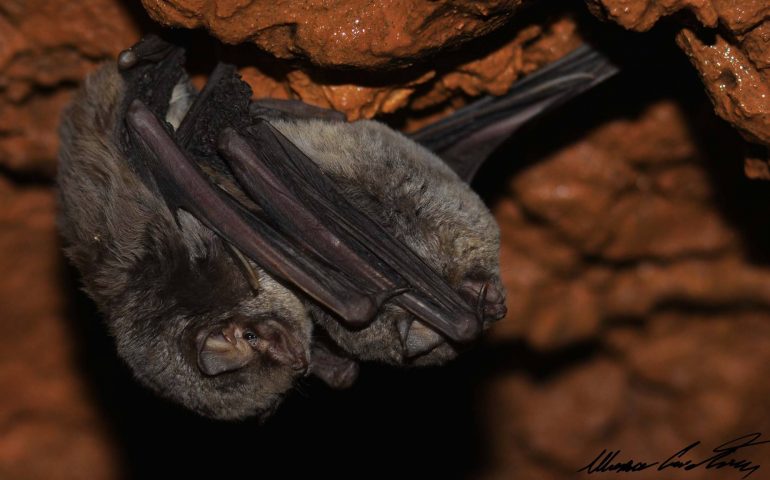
(434, 87)
(641, 15)
(49, 424)
(399, 35)
(612, 220)
(656, 390)
(349, 33)
(44, 55)
(732, 56)
(426, 89)
(641, 289)
(739, 89)
(46, 48)
(604, 228)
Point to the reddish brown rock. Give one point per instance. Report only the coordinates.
(740, 92)
(50, 425)
(756, 45)
(631, 196)
(641, 15)
(46, 49)
(665, 386)
(447, 84)
(349, 33)
(44, 55)
(732, 56)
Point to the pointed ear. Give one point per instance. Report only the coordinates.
(220, 351)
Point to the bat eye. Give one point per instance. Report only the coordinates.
(249, 336)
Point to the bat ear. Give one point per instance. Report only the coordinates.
(233, 347)
(221, 351)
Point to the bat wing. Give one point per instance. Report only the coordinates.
(467, 137)
(293, 109)
(292, 220)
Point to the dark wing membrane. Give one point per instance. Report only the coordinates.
(467, 137)
(183, 185)
(150, 70)
(271, 108)
(296, 225)
(293, 190)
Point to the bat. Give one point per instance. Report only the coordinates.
(237, 246)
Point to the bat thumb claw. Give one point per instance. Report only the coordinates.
(359, 314)
(151, 48)
(381, 297)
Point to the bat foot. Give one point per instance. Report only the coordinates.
(334, 370)
(487, 299)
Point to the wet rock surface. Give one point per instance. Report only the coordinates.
(349, 33)
(634, 254)
(731, 54)
(46, 49)
(49, 424)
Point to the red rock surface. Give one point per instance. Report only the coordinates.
(351, 33)
(732, 56)
(46, 49)
(44, 55)
(739, 89)
(49, 425)
(436, 87)
(634, 288)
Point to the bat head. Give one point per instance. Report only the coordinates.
(208, 341)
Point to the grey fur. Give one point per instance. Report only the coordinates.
(159, 281)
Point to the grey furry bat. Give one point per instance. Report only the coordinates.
(236, 246)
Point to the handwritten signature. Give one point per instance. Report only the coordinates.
(723, 457)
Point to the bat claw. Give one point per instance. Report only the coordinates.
(488, 300)
(127, 59)
(150, 48)
(384, 296)
(403, 325)
(420, 340)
